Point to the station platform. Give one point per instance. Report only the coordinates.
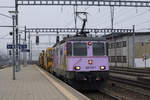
(33, 83)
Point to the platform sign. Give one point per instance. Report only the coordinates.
(23, 46)
(25, 50)
(10, 46)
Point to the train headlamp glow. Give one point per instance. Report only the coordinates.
(102, 67)
(77, 67)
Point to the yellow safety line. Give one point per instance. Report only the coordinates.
(58, 86)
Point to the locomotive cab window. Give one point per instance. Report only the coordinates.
(98, 49)
(80, 49)
(69, 49)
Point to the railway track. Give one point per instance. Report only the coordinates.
(98, 95)
(115, 93)
(135, 71)
(124, 93)
(135, 89)
(131, 79)
(138, 83)
(124, 84)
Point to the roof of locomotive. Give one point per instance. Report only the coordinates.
(77, 38)
(85, 39)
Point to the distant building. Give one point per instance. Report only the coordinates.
(120, 49)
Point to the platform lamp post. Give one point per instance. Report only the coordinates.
(13, 13)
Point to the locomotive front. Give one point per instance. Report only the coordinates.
(88, 64)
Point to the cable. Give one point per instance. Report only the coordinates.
(7, 7)
(116, 11)
(139, 24)
(120, 17)
(69, 23)
(128, 18)
(5, 15)
(4, 36)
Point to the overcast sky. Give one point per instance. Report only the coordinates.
(62, 16)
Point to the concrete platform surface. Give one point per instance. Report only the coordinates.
(32, 83)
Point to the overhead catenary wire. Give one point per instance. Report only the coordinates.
(141, 23)
(2, 37)
(70, 22)
(129, 18)
(7, 7)
(105, 21)
(118, 17)
(5, 15)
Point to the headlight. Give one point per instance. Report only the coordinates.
(77, 67)
(102, 67)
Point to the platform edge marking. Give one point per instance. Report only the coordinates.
(59, 87)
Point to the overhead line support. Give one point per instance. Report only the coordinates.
(85, 3)
(74, 30)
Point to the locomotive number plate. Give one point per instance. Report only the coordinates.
(90, 67)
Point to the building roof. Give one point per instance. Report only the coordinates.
(117, 35)
(85, 39)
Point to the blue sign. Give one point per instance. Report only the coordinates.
(25, 50)
(22, 46)
(10, 46)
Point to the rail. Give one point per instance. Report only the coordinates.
(132, 77)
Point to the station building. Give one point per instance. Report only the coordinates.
(122, 49)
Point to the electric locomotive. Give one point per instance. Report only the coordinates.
(82, 62)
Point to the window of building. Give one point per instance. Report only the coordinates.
(109, 45)
(124, 59)
(124, 43)
(119, 59)
(112, 45)
(112, 59)
(117, 45)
